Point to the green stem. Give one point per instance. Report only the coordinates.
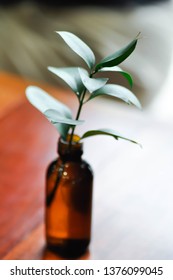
(77, 115)
(81, 102)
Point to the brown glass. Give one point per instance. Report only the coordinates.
(69, 201)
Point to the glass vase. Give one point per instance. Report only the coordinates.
(69, 184)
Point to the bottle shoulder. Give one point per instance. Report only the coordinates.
(80, 165)
(87, 166)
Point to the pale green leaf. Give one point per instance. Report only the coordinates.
(43, 102)
(79, 47)
(119, 70)
(62, 128)
(54, 117)
(91, 84)
(71, 76)
(119, 92)
(108, 132)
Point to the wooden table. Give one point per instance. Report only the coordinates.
(133, 189)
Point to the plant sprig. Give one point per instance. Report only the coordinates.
(82, 81)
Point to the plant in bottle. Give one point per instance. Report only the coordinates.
(69, 178)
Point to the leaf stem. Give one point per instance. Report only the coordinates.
(77, 115)
(81, 102)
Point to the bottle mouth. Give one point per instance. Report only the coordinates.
(65, 147)
(75, 138)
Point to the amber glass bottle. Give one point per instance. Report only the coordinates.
(69, 201)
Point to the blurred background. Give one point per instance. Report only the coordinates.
(139, 209)
(28, 43)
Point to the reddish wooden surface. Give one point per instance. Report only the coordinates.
(132, 213)
(22, 173)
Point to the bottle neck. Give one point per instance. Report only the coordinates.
(69, 152)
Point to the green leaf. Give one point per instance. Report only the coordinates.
(91, 84)
(119, 70)
(43, 102)
(108, 132)
(79, 47)
(117, 57)
(71, 76)
(55, 117)
(117, 91)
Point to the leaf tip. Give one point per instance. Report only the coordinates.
(49, 68)
(30, 90)
(58, 32)
(138, 36)
(139, 144)
(139, 105)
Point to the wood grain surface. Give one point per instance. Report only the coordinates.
(132, 213)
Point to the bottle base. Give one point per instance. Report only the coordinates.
(69, 248)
